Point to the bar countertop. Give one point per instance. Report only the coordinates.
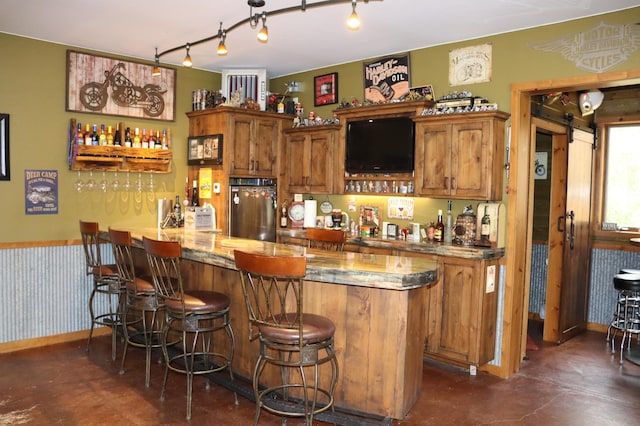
(359, 269)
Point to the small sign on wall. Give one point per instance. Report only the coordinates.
(541, 162)
(41, 191)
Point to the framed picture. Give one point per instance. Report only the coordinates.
(325, 89)
(4, 147)
(426, 92)
(386, 79)
(104, 85)
(470, 65)
(204, 150)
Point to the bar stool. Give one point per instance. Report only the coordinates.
(142, 325)
(193, 315)
(326, 239)
(289, 338)
(627, 316)
(106, 282)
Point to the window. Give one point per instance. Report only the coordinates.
(621, 206)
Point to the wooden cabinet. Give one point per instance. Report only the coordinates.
(309, 153)
(255, 140)
(460, 156)
(462, 310)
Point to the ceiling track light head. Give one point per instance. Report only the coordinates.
(255, 3)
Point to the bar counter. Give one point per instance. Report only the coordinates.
(377, 302)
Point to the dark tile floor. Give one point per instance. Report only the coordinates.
(577, 383)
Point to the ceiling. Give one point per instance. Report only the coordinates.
(298, 41)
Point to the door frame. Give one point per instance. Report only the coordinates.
(520, 207)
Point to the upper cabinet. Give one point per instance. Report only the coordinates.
(310, 153)
(250, 138)
(460, 156)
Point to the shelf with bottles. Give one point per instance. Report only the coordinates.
(379, 184)
(110, 148)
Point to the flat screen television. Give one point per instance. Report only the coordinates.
(382, 145)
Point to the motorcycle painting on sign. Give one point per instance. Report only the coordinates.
(111, 86)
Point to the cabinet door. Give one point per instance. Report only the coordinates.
(469, 159)
(453, 312)
(296, 168)
(263, 147)
(320, 176)
(239, 145)
(433, 159)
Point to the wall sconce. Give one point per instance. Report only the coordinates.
(590, 101)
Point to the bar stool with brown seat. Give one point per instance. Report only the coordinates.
(106, 282)
(192, 315)
(326, 239)
(142, 324)
(289, 338)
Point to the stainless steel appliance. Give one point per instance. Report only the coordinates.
(252, 208)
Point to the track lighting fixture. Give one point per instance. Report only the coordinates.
(156, 65)
(253, 20)
(222, 47)
(187, 59)
(263, 35)
(353, 23)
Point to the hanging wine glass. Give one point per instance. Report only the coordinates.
(150, 184)
(139, 185)
(104, 184)
(91, 183)
(78, 184)
(115, 184)
(126, 186)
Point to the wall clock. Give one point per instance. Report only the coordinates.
(296, 214)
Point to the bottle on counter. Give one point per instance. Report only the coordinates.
(431, 230)
(283, 216)
(438, 233)
(195, 198)
(177, 209)
(485, 226)
(448, 237)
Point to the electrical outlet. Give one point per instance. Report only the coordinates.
(216, 187)
(491, 279)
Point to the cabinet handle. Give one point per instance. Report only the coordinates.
(453, 183)
(256, 165)
(446, 181)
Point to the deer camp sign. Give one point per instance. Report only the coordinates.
(386, 79)
(104, 85)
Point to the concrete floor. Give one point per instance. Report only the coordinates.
(577, 383)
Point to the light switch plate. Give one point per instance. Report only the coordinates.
(216, 187)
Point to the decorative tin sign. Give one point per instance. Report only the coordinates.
(386, 79)
(41, 191)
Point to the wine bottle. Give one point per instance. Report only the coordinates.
(177, 209)
(79, 135)
(127, 138)
(144, 140)
(448, 237)
(87, 135)
(485, 226)
(109, 135)
(438, 233)
(195, 198)
(136, 139)
(117, 141)
(102, 136)
(95, 138)
(283, 216)
(164, 140)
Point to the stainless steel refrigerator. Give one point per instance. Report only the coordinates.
(252, 208)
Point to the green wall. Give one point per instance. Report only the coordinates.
(32, 91)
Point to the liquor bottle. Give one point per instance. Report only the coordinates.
(144, 140)
(283, 216)
(195, 198)
(431, 231)
(79, 135)
(87, 135)
(485, 226)
(153, 139)
(164, 140)
(177, 209)
(136, 139)
(109, 135)
(116, 138)
(102, 136)
(127, 138)
(448, 237)
(438, 233)
(95, 138)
